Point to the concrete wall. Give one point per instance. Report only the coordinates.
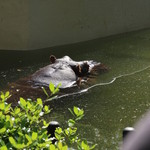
(34, 24)
(14, 24)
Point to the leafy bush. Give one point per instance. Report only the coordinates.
(24, 126)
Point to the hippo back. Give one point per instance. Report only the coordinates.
(55, 73)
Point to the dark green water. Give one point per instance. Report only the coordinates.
(117, 99)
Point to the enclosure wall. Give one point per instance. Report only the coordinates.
(34, 24)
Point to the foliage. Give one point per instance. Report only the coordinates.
(70, 134)
(53, 90)
(24, 126)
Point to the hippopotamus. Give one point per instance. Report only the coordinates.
(65, 71)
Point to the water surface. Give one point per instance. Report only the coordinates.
(114, 100)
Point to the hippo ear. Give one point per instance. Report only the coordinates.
(52, 59)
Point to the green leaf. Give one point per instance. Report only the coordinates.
(20, 133)
(3, 148)
(46, 108)
(7, 109)
(17, 110)
(39, 101)
(51, 87)
(2, 96)
(45, 124)
(7, 94)
(59, 145)
(23, 102)
(59, 85)
(57, 89)
(2, 130)
(7, 124)
(2, 106)
(2, 142)
(34, 136)
(67, 131)
(72, 131)
(85, 146)
(80, 117)
(28, 138)
(14, 144)
(78, 112)
(20, 146)
(44, 134)
(1, 114)
(65, 147)
(45, 92)
(29, 105)
(12, 141)
(71, 122)
(58, 130)
(52, 147)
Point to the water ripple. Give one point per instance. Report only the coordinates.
(101, 84)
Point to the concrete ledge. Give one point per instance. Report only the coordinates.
(26, 24)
